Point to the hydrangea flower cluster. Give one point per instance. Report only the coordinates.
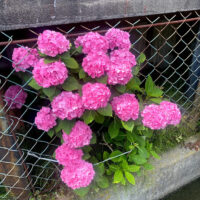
(95, 96)
(94, 64)
(51, 74)
(45, 119)
(126, 107)
(76, 173)
(118, 38)
(52, 43)
(15, 96)
(24, 58)
(159, 116)
(80, 135)
(92, 42)
(67, 105)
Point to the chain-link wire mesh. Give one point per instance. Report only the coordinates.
(171, 43)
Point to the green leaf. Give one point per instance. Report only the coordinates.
(86, 156)
(143, 152)
(124, 165)
(100, 169)
(156, 100)
(133, 168)
(50, 133)
(121, 88)
(134, 84)
(71, 84)
(107, 111)
(130, 178)
(94, 139)
(139, 160)
(129, 125)
(42, 55)
(154, 154)
(105, 155)
(102, 79)
(114, 154)
(114, 168)
(118, 175)
(65, 125)
(157, 92)
(113, 129)
(82, 191)
(88, 116)
(148, 166)
(50, 60)
(102, 182)
(149, 85)
(70, 62)
(141, 58)
(81, 74)
(34, 85)
(136, 70)
(99, 118)
(49, 91)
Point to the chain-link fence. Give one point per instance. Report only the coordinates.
(171, 43)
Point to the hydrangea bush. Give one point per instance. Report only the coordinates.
(103, 116)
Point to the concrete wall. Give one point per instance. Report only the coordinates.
(15, 14)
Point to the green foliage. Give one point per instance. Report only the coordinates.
(34, 85)
(71, 84)
(107, 111)
(70, 62)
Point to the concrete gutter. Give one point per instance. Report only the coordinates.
(175, 169)
(36, 13)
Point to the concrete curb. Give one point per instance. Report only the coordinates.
(176, 168)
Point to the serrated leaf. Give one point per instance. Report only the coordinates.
(148, 166)
(105, 155)
(113, 129)
(149, 85)
(116, 154)
(88, 116)
(70, 62)
(100, 169)
(71, 84)
(130, 178)
(65, 125)
(107, 111)
(133, 168)
(102, 182)
(139, 160)
(102, 79)
(82, 191)
(34, 85)
(134, 84)
(156, 100)
(50, 60)
(121, 88)
(49, 91)
(154, 154)
(50, 133)
(81, 74)
(118, 175)
(99, 118)
(157, 92)
(94, 139)
(141, 58)
(129, 125)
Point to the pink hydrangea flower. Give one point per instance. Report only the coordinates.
(23, 58)
(92, 42)
(126, 107)
(65, 155)
(95, 63)
(154, 117)
(45, 120)
(52, 43)
(78, 174)
(15, 96)
(119, 73)
(172, 111)
(67, 105)
(118, 38)
(51, 74)
(79, 136)
(123, 56)
(95, 95)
